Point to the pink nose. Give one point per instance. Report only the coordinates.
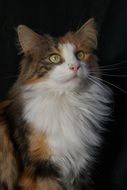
(74, 67)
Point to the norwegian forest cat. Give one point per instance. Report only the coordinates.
(51, 123)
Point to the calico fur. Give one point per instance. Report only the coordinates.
(53, 120)
(69, 123)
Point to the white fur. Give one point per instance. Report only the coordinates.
(70, 117)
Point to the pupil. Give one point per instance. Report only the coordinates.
(80, 55)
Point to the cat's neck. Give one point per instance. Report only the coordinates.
(40, 100)
(69, 120)
(50, 87)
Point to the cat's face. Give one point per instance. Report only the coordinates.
(66, 61)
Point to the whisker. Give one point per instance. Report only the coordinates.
(114, 75)
(113, 65)
(105, 74)
(112, 69)
(102, 80)
(94, 81)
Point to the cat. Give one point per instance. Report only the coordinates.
(51, 123)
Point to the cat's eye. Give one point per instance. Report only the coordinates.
(80, 55)
(55, 58)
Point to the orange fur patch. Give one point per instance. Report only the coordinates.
(27, 183)
(39, 149)
(8, 164)
(48, 184)
(34, 80)
(30, 182)
(70, 38)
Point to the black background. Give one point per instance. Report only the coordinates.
(57, 17)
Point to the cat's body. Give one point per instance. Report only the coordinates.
(55, 117)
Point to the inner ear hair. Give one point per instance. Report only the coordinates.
(87, 34)
(28, 39)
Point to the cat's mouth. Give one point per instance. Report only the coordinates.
(78, 76)
(73, 79)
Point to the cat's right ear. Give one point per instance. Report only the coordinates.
(28, 39)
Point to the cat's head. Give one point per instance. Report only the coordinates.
(65, 62)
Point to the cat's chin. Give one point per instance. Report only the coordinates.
(68, 83)
(78, 78)
(74, 78)
(71, 84)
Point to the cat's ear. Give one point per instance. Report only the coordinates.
(87, 34)
(28, 39)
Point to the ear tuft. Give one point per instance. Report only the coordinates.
(28, 39)
(87, 34)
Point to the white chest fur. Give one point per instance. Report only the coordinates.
(69, 121)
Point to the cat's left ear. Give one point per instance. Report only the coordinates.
(28, 39)
(87, 35)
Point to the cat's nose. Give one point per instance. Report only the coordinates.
(74, 67)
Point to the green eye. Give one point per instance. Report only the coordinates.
(55, 58)
(80, 55)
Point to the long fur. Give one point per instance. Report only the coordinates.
(70, 120)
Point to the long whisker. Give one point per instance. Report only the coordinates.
(104, 81)
(113, 65)
(105, 74)
(95, 81)
(112, 69)
(114, 75)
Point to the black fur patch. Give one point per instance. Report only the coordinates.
(45, 168)
(3, 186)
(19, 136)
